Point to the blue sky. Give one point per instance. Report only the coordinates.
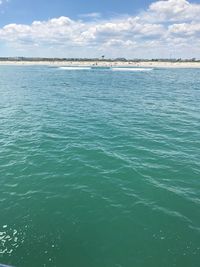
(129, 28)
(26, 11)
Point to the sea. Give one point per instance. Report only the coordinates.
(99, 167)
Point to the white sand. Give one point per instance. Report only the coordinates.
(108, 64)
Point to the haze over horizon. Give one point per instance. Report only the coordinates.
(143, 29)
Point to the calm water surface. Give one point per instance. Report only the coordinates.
(99, 168)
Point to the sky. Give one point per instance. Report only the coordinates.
(92, 28)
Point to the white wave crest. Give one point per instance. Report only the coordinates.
(132, 69)
(74, 68)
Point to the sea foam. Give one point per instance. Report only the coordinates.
(74, 68)
(132, 69)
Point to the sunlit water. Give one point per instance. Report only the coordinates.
(99, 168)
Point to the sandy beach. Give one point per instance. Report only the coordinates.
(141, 64)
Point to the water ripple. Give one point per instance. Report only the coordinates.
(99, 163)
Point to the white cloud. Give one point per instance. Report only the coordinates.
(93, 15)
(165, 27)
(63, 30)
(185, 30)
(174, 10)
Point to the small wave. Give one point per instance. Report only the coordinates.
(132, 69)
(113, 69)
(74, 68)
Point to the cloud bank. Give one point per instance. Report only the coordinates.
(169, 28)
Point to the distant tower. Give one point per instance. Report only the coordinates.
(103, 57)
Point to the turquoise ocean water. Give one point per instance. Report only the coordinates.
(99, 168)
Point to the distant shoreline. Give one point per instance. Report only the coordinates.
(142, 64)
